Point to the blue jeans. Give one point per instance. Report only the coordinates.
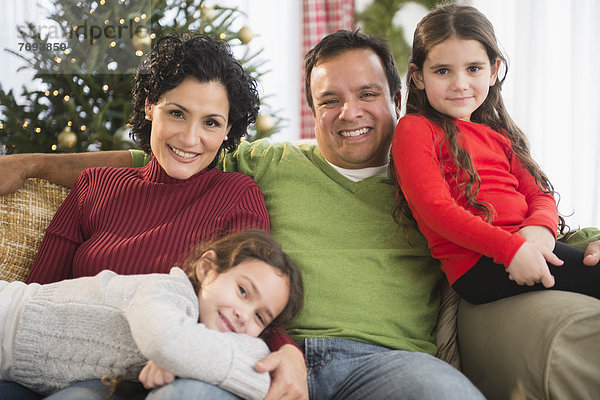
(86, 390)
(14, 391)
(94, 389)
(348, 369)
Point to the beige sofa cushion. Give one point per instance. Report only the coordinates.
(547, 341)
(24, 216)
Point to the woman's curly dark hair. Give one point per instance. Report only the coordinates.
(178, 56)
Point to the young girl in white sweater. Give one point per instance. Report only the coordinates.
(203, 325)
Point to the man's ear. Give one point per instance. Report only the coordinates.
(205, 265)
(417, 76)
(148, 108)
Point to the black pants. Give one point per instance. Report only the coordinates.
(488, 281)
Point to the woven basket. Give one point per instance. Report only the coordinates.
(24, 216)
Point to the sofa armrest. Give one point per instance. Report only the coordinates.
(547, 342)
(24, 216)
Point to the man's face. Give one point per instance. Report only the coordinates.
(354, 112)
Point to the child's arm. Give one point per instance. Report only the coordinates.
(163, 323)
(429, 196)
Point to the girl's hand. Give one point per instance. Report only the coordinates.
(153, 376)
(538, 235)
(529, 266)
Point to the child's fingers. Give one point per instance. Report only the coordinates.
(143, 376)
(552, 258)
(548, 280)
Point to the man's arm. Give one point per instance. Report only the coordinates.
(62, 169)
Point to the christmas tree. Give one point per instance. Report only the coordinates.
(378, 19)
(86, 62)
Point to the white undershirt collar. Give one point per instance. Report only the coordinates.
(356, 175)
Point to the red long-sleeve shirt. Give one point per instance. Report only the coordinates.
(140, 220)
(456, 236)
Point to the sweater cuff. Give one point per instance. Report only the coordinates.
(509, 249)
(244, 381)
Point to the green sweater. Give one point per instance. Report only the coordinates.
(362, 278)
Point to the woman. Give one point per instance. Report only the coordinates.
(191, 101)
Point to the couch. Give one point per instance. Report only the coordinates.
(543, 345)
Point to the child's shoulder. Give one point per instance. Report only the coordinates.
(412, 124)
(415, 120)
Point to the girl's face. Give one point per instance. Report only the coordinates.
(456, 77)
(189, 124)
(243, 299)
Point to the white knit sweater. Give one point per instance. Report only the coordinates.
(84, 328)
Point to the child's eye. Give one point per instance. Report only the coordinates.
(442, 71)
(243, 291)
(260, 319)
(474, 68)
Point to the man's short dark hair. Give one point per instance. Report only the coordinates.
(344, 40)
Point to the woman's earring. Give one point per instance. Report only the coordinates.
(226, 138)
(148, 117)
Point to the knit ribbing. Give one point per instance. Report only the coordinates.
(136, 221)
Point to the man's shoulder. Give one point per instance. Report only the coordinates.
(264, 145)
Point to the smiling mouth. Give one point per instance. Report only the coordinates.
(354, 133)
(183, 154)
(227, 326)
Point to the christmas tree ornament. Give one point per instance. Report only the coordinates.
(245, 35)
(67, 138)
(264, 123)
(141, 39)
(78, 88)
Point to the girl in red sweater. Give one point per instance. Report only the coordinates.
(465, 173)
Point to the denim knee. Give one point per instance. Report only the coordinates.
(190, 389)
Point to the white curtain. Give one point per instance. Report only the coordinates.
(553, 92)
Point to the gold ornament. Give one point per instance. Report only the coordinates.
(141, 39)
(67, 138)
(264, 123)
(246, 35)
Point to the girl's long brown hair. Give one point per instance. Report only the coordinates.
(465, 22)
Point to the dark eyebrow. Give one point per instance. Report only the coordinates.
(368, 86)
(172, 103)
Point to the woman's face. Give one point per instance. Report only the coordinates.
(189, 124)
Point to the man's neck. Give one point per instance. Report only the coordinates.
(359, 174)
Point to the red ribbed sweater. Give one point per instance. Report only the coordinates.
(140, 220)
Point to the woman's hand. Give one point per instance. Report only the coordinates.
(288, 374)
(153, 376)
(529, 266)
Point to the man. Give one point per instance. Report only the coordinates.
(367, 327)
